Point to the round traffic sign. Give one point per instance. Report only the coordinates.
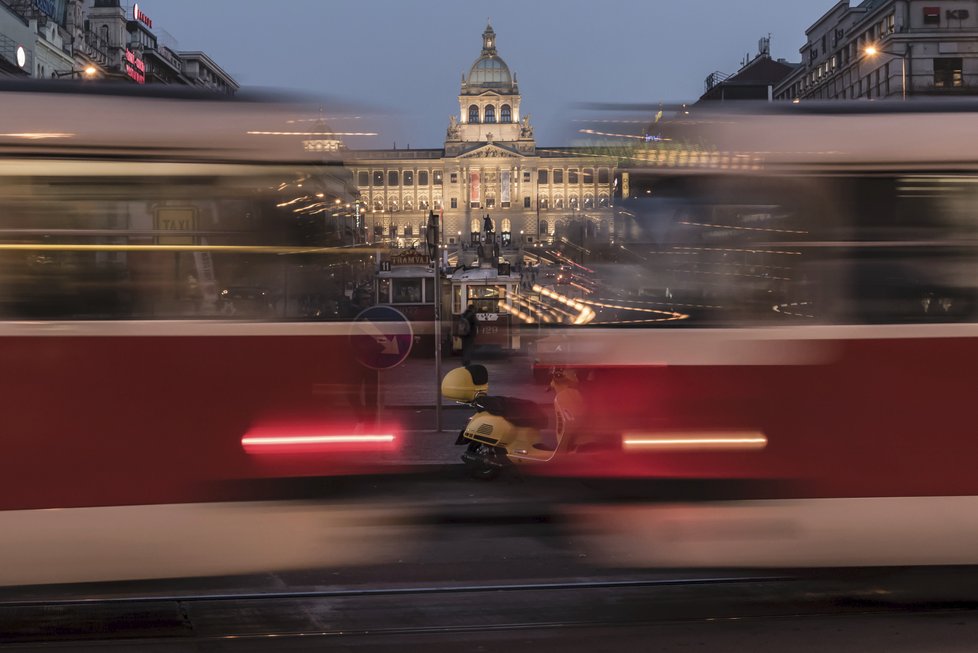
(381, 337)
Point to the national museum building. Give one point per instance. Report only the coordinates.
(490, 164)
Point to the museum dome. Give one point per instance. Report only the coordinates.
(489, 70)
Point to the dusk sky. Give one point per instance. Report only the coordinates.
(405, 57)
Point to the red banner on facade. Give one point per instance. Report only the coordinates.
(475, 190)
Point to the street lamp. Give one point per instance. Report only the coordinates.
(872, 51)
(88, 73)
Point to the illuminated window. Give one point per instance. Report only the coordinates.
(544, 203)
(437, 177)
(948, 72)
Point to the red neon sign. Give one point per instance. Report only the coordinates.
(141, 17)
(135, 67)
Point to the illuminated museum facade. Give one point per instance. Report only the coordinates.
(490, 164)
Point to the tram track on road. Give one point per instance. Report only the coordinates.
(443, 611)
(393, 591)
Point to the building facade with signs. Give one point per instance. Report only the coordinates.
(490, 164)
(98, 39)
(922, 47)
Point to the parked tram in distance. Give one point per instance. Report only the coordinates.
(815, 405)
(165, 297)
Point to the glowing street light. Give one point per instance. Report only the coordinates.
(872, 51)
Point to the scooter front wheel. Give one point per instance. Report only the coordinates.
(475, 461)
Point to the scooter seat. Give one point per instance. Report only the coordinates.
(520, 412)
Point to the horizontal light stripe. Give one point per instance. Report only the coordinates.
(695, 441)
(273, 441)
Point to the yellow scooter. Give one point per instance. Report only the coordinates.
(508, 431)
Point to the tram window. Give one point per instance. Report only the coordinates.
(486, 292)
(407, 291)
(253, 214)
(912, 258)
(429, 290)
(457, 299)
(383, 291)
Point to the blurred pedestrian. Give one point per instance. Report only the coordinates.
(466, 332)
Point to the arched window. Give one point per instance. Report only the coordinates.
(544, 228)
(603, 200)
(588, 200)
(474, 114)
(505, 114)
(544, 203)
(423, 203)
(490, 114)
(378, 204)
(558, 201)
(392, 205)
(408, 204)
(573, 202)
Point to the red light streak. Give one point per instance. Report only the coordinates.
(272, 444)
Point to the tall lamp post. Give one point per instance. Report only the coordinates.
(872, 51)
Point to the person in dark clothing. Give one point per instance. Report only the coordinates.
(467, 334)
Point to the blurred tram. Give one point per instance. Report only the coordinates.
(815, 406)
(167, 277)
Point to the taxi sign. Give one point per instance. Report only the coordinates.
(381, 337)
